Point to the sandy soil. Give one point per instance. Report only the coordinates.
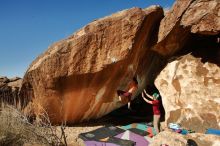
(72, 131)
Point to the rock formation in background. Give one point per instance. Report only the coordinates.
(76, 79)
(190, 85)
(9, 89)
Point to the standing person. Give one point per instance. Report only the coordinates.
(156, 108)
(125, 96)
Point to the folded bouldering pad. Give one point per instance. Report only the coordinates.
(100, 133)
(111, 141)
(128, 135)
(141, 126)
(139, 132)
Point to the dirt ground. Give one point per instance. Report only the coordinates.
(72, 131)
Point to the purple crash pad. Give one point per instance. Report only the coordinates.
(98, 143)
(112, 141)
(128, 135)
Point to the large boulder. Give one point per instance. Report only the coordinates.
(76, 79)
(170, 138)
(202, 17)
(190, 92)
(190, 86)
(184, 18)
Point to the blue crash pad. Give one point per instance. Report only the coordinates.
(213, 131)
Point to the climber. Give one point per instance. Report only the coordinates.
(125, 96)
(156, 108)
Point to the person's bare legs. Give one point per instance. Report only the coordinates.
(119, 97)
(156, 123)
(120, 93)
(129, 105)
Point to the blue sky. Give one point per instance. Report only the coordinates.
(28, 27)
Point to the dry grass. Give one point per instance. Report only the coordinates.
(15, 129)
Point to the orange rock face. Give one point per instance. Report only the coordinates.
(187, 17)
(76, 79)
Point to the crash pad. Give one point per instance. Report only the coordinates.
(100, 133)
(138, 139)
(104, 136)
(112, 141)
(213, 131)
(141, 126)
